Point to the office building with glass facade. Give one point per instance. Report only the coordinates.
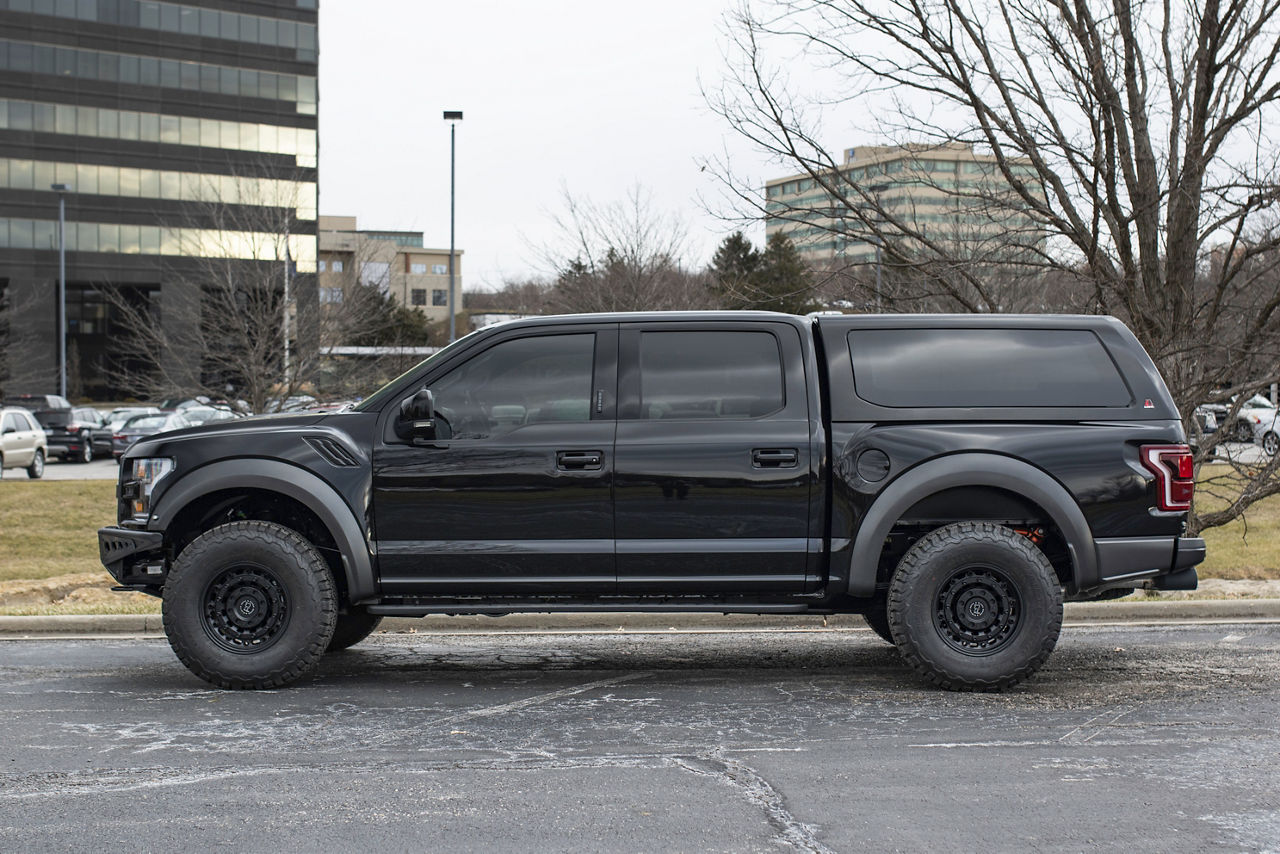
(182, 132)
(953, 196)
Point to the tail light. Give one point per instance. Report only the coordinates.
(1174, 469)
(120, 437)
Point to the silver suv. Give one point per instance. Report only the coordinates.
(22, 442)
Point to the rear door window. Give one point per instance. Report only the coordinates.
(964, 368)
(710, 374)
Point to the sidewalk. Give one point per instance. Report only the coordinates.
(1075, 613)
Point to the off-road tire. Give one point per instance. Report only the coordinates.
(249, 605)
(35, 471)
(352, 628)
(974, 606)
(877, 617)
(86, 449)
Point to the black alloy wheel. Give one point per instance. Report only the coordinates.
(975, 606)
(249, 605)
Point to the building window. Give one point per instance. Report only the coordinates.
(417, 269)
(418, 296)
(336, 266)
(331, 295)
(439, 296)
(321, 267)
(439, 269)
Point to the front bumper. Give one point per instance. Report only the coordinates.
(134, 558)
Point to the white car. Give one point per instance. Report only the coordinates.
(1261, 414)
(22, 442)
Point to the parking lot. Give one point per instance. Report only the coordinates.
(1142, 738)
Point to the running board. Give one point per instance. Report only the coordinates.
(500, 610)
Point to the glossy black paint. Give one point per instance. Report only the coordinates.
(677, 507)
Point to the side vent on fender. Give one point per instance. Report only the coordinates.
(333, 451)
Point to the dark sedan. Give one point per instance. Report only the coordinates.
(141, 426)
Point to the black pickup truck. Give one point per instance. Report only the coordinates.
(951, 478)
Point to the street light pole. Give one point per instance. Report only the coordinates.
(453, 117)
(62, 190)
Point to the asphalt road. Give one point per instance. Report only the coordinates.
(1132, 738)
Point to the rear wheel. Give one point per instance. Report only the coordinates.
(351, 629)
(975, 606)
(35, 471)
(1270, 443)
(249, 605)
(86, 449)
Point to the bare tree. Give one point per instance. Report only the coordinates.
(621, 257)
(238, 319)
(1130, 157)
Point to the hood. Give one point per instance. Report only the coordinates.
(226, 431)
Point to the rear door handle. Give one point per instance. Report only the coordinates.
(579, 460)
(774, 458)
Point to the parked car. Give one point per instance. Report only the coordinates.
(207, 414)
(22, 442)
(1244, 427)
(121, 414)
(1206, 420)
(37, 402)
(141, 426)
(1261, 416)
(177, 404)
(951, 478)
(75, 434)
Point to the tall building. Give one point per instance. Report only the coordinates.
(948, 193)
(396, 262)
(181, 131)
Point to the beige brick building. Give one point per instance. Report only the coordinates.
(948, 193)
(394, 261)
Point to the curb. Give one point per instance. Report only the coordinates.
(1075, 612)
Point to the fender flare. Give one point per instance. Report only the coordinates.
(296, 483)
(970, 469)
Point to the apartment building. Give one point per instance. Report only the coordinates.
(396, 262)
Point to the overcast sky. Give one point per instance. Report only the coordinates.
(594, 96)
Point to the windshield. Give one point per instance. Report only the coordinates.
(380, 396)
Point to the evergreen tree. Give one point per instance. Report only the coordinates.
(773, 280)
(782, 282)
(733, 268)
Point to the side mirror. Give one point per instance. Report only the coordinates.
(419, 412)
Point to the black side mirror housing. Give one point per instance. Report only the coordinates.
(419, 413)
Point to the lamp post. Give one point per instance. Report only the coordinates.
(62, 190)
(453, 117)
(876, 190)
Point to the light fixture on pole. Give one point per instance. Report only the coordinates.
(453, 117)
(62, 190)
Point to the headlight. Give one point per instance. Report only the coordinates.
(147, 472)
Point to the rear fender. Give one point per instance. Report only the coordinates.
(971, 469)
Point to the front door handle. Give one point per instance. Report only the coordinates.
(774, 458)
(579, 460)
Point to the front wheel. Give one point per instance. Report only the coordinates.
(1270, 443)
(975, 606)
(249, 605)
(35, 471)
